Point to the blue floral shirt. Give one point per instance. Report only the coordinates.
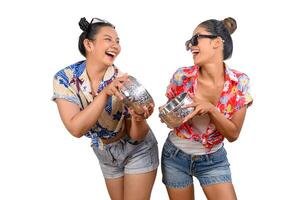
(73, 85)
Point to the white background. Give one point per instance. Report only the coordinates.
(39, 159)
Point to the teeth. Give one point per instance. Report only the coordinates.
(111, 53)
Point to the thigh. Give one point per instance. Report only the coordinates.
(139, 186)
(213, 168)
(221, 191)
(144, 159)
(175, 167)
(186, 193)
(115, 188)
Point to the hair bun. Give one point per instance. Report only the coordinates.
(230, 24)
(83, 24)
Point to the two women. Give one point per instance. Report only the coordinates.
(89, 104)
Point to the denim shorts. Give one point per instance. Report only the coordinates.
(178, 168)
(125, 157)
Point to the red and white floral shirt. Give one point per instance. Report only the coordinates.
(234, 96)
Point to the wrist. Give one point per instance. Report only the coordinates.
(138, 121)
(212, 109)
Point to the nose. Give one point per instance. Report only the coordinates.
(115, 45)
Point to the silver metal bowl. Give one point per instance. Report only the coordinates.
(135, 95)
(173, 112)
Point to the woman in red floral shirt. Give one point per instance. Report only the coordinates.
(221, 97)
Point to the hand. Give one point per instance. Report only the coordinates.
(201, 107)
(115, 85)
(140, 117)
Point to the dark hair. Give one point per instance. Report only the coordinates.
(89, 31)
(223, 29)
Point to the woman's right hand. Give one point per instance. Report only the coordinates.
(115, 85)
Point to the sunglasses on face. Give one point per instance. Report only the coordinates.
(194, 40)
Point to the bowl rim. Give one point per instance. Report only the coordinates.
(180, 104)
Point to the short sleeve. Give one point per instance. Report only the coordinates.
(62, 89)
(171, 90)
(244, 97)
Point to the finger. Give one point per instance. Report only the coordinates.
(202, 112)
(162, 120)
(145, 113)
(131, 111)
(122, 78)
(189, 105)
(161, 108)
(151, 110)
(191, 115)
(151, 105)
(119, 85)
(118, 94)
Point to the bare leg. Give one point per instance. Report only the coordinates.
(221, 191)
(115, 188)
(186, 193)
(139, 186)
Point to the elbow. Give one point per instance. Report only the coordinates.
(233, 137)
(76, 133)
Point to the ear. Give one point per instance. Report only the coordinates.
(217, 42)
(88, 45)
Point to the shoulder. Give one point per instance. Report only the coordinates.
(237, 75)
(186, 71)
(66, 74)
(183, 73)
(75, 69)
(243, 80)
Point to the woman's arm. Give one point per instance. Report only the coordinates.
(137, 127)
(229, 128)
(79, 122)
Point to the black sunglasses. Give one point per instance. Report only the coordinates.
(194, 40)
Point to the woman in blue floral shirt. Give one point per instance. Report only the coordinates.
(89, 103)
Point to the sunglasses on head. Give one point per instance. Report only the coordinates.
(194, 40)
(97, 20)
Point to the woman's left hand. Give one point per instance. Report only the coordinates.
(140, 117)
(201, 107)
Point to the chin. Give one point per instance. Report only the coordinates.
(108, 63)
(197, 62)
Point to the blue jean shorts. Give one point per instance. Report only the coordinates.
(178, 168)
(125, 157)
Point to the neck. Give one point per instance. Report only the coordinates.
(213, 72)
(95, 70)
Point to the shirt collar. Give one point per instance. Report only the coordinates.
(82, 75)
(229, 74)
